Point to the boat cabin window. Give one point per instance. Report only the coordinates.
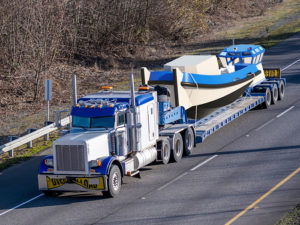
(247, 60)
(223, 61)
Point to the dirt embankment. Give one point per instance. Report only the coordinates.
(22, 77)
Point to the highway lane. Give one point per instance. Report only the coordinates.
(249, 163)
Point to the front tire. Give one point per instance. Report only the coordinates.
(114, 182)
(52, 193)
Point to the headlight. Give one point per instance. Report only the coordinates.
(95, 163)
(49, 162)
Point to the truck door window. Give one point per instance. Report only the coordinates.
(121, 119)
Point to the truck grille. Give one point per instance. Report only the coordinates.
(70, 158)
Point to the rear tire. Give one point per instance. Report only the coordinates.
(165, 151)
(114, 182)
(281, 90)
(274, 94)
(189, 141)
(177, 147)
(268, 98)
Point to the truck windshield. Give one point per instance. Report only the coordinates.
(96, 122)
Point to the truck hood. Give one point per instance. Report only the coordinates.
(96, 142)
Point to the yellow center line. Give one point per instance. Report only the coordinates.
(263, 197)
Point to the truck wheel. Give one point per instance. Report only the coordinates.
(177, 147)
(281, 90)
(189, 140)
(268, 98)
(274, 94)
(165, 151)
(114, 182)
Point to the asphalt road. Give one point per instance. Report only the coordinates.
(239, 165)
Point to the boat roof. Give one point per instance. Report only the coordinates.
(242, 51)
(188, 60)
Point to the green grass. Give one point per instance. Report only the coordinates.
(291, 218)
(23, 153)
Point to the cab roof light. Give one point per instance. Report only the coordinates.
(86, 106)
(77, 105)
(106, 88)
(144, 88)
(99, 106)
(92, 106)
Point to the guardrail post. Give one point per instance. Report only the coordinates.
(46, 136)
(11, 152)
(30, 130)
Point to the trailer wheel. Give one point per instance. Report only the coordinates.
(177, 147)
(274, 94)
(268, 98)
(165, 151)
(281, 90)
(114, 181)
(189, 140)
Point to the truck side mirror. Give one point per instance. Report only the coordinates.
(139, 125)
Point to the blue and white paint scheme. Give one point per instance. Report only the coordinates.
(197, 83)
(101, 136)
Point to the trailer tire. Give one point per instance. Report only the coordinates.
(177, 147)
(274, 94)
(114, 182)
(189, 141)
(268, 98)
(281, 90)
(165, 151)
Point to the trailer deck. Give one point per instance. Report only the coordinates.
(216, 120)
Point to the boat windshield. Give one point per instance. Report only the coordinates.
(94, 122)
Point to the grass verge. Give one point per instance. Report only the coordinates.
(291, 218)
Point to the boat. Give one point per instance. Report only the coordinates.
(198, 83)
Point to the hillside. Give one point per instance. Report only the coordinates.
(100, 41)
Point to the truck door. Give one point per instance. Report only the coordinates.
(151, 122)
(121, 135)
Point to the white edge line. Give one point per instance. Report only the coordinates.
(265, 124)
(290, 65)
(170, 182)
(18, 206)
(201, 164)
(284, 112)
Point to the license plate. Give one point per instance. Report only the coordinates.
(90, 183)
(272, 73)
(55, 182)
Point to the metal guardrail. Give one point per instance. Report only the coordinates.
(10, 146)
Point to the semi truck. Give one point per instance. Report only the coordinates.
(115, 133)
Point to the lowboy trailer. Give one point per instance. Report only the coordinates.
(115, 133)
